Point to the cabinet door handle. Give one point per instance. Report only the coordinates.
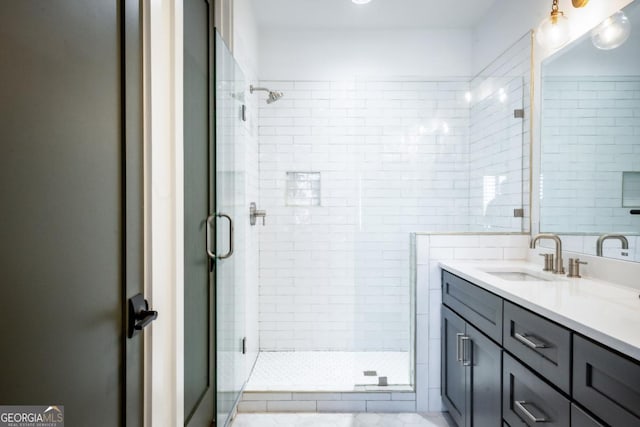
(522, 406)
(530, 341)
(466, 356)
(458, 347)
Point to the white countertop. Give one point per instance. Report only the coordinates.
(606, 312)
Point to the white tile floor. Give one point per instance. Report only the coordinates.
(326, 370)
(342, 420)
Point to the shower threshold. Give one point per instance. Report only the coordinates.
(330, 371)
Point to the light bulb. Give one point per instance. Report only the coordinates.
(361, 1)
(612, 32)
(554, 32)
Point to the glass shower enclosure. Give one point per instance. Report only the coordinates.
(230, 229)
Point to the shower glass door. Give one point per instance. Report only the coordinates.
(230, 224)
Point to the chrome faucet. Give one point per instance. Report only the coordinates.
(601, 239)
(559, 268)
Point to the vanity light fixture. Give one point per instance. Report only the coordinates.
(554, 31)
(360, 1)
(579, 3)
(612, 32)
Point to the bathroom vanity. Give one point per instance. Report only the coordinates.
(523, 347)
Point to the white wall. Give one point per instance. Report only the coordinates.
(245, 38)
(346, 55)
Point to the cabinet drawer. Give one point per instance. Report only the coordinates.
(481, 308)
(527, 400)
(606, 383)
(579, 418)
(539, 343)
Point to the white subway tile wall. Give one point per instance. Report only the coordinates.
(431, 249)
(590, 136)
(499, 141)
(393, 159)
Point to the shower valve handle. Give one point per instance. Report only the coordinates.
(255, 213)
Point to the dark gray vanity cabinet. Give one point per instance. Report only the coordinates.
(471, 372)
(527, 400)
(454, 378)
(479, 307)
(579, 418)
(505, 365)
(539, 343)
(606, 383)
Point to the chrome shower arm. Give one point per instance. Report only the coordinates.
(253, 88)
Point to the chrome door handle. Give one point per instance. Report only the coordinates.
(541, 418)
(458, 347)
(466, 361)
(208, 226)
(530, 341)
(230, 252)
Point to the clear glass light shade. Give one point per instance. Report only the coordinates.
(554, 32)
(612, 32)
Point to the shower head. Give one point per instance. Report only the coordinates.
(274, 95)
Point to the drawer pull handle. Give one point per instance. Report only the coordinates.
(530, 341)
(522, 406)
(459, 347)
(466, 357)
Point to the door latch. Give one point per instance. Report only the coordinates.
(139, 315)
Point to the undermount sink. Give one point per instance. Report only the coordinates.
(518, 276)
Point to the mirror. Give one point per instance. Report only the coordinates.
(590, 132)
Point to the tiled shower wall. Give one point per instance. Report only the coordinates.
(590, 131)
(393, 159)
(499, 141)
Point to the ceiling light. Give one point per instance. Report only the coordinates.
(554, 31)
(612, 32)
(361, 1)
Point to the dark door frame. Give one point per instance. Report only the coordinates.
(132, 117)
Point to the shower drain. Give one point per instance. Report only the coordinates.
(382, 381)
